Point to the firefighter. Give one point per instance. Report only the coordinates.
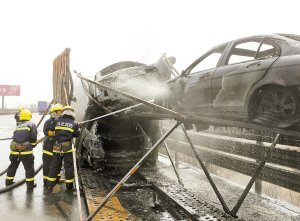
(65, 129)
(17, 115)
(24, 140)
(55, 112)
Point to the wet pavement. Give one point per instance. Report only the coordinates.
(254, 208)
(19, 204)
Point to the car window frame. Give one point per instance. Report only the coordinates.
(187, 71)
(273, 43)
(241, 41)
(262, 40)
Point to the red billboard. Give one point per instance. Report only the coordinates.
(9, 90)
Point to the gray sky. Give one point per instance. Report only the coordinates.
(99, 33)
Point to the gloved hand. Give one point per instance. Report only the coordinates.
(51, 133)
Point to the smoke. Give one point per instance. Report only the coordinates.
(143, 88)
(140, 81)
(80, 100)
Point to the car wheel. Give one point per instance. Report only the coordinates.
(276, 104)
(279, 101)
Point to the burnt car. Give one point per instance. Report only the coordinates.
(255, 78)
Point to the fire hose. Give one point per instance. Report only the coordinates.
(40, 121)
(5, 189)
(75, 169)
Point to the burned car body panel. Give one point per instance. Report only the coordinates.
(281, 73)
(246, 76)
(116, 143)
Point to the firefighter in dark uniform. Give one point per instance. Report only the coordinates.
(17, 115)
(65, 129)
(24, 140)
(55, 112)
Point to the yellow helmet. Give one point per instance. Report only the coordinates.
(20, 108)
(25, 114)
(68, 108)
(56, 107)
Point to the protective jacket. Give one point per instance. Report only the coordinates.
(65, 129)
(26, 131)
(24, 139)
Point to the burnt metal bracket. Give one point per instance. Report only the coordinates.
(171, 160)
(131, 172)
(235, 209)
(254, 177)
(224, 205)
(184, 118)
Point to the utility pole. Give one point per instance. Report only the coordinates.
(2, 102)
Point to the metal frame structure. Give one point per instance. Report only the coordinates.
(199, 119)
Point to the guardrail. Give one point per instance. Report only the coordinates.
(7, 111)
(242, 156)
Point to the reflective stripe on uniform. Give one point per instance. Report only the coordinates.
(33, 144)
(22, 153)
(10, 177)
(47, 152)
(64, 128)
(70, 181)
(52, 179)
(69, 151)
(56, 151)
(46, 177)
(61, 152)
(30, 179)
(23, 128)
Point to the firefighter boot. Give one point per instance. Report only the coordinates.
(9, 182)
(47, 191)
(69, 186)
(30, 185)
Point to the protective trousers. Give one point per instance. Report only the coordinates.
(55, 167)
(28, 163)
(47, 157)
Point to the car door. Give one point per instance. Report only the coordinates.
(197, 85)
(243, 66)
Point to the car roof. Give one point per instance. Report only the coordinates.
(284, 37)
(288, 38)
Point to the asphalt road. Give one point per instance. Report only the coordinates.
(19, 204)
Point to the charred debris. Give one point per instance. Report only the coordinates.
(116, 142)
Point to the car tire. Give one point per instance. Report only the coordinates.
(275, 104)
